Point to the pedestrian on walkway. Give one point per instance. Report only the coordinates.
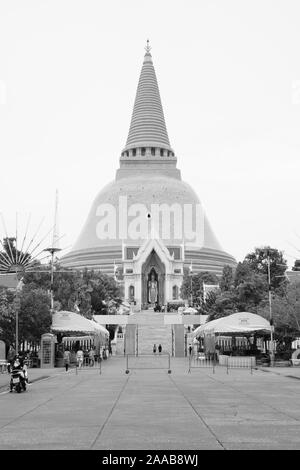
(154, 349)
(67, 359)
(79, 357)
(159, 349)
(91, 357)
(10, 357)
(101, 354)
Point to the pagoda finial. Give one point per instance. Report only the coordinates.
(148, 47)
(147, 127)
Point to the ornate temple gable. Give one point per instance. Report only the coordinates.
(160, 249)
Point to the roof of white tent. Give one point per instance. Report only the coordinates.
(99, 327)
(237, 323)
(64, 321)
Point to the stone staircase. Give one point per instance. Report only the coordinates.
(152, 330)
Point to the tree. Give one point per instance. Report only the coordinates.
(196, 285)
(95, 292)
(251, 292)
(244, 292)
(33, 307)
(243, 273)
(88, 291)
(207, 307)
(258, 263)
(296, 266)
(7, 316)
(227, 280)
(225, 304)
(34, 316)
(285, 313)
(247, 290)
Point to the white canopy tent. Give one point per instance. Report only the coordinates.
(242, 323)
(77, 329)
(99, 328)
(63, 322)
(70, 322)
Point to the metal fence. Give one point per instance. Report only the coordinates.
(148, 361)
(202, 361)
(240, 362)
(88, 365)
(209, 361)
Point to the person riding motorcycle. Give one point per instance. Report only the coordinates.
(19, 365)
(25, 367)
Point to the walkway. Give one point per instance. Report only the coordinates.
(151, 409)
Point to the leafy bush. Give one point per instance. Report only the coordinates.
(175, 305)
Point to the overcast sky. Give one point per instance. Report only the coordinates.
(229, 79)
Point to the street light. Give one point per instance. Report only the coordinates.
(191, 274)
(18, 305)
(272, 352)
(52, 251)
(272, 355)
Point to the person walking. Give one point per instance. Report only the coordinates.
(79, 357)
(10, 357)
(91, 357)
(154, 349)
(67, 359)
(159, 349)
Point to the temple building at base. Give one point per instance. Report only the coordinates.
(148, 224)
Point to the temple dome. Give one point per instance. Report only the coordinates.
(148, 190)
(94, 253)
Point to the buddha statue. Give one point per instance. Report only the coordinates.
(152, 289)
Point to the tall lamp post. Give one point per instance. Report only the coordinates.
(272, 353)
(191, 274)
(54, 248)
(52, 251)
(18, 305)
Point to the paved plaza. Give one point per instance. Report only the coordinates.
(151, 409)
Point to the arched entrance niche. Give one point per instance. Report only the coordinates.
(153, 280)
(131, 293)
(175, 293)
